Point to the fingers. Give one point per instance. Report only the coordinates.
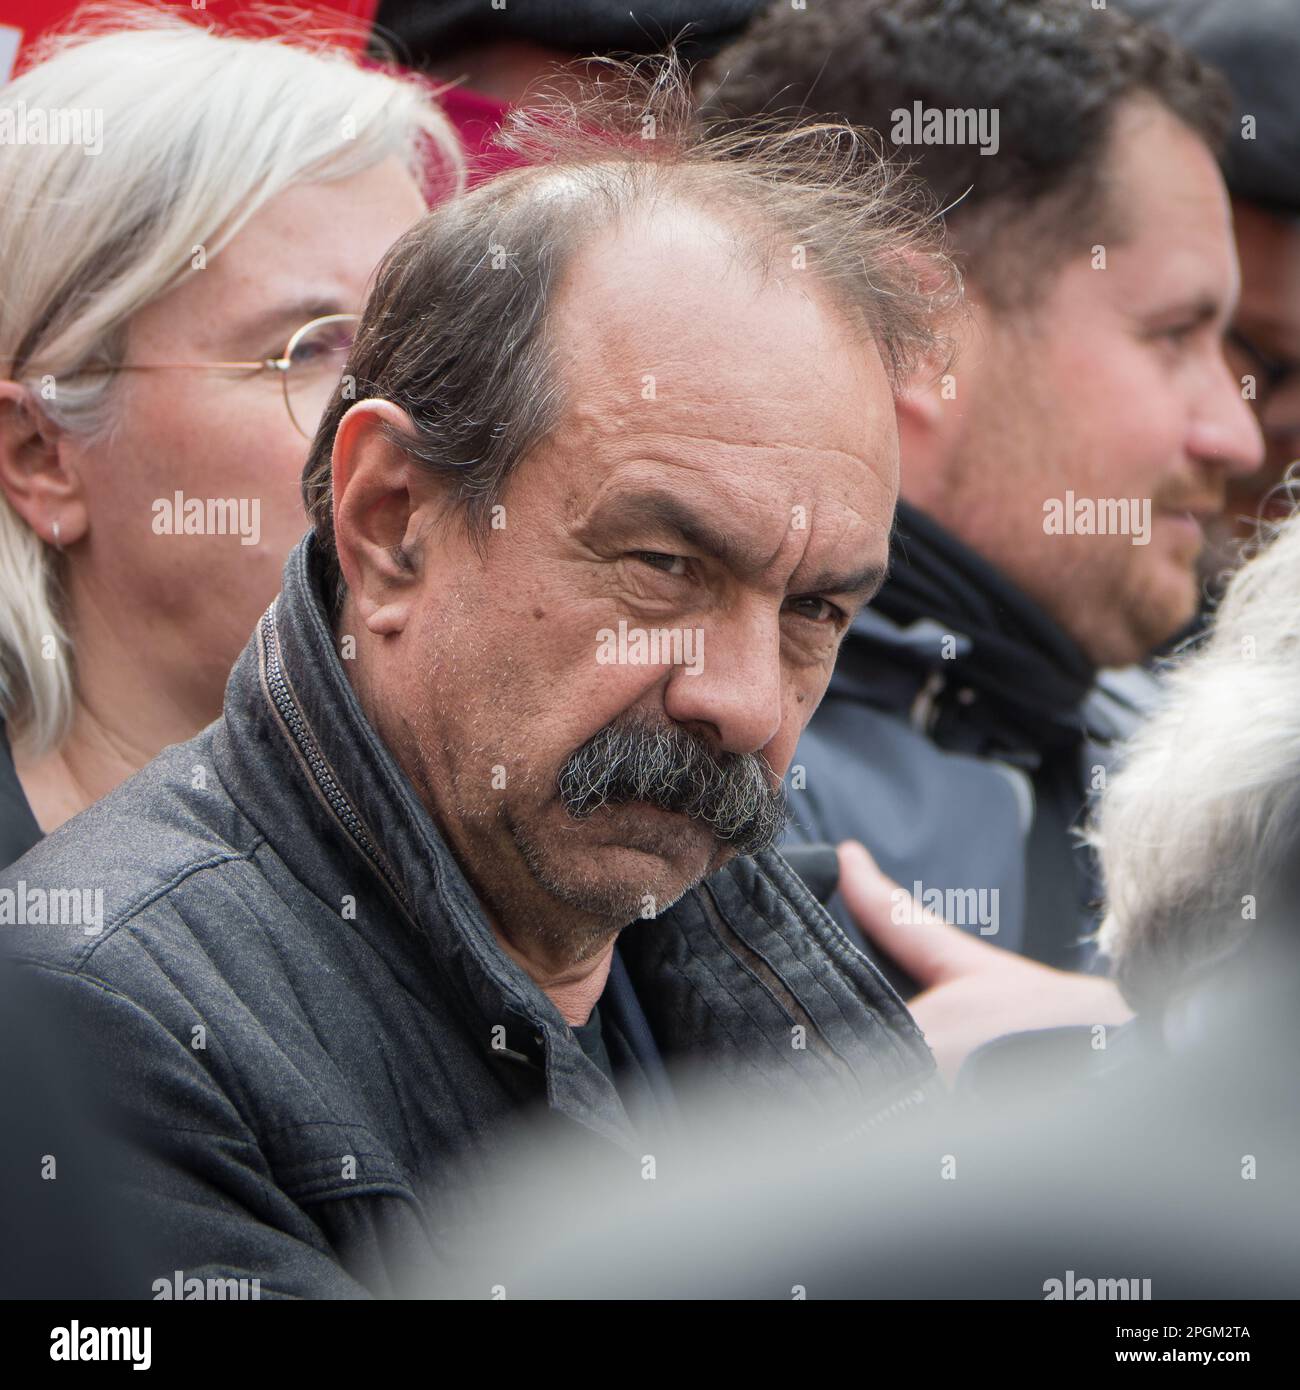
(922, 943)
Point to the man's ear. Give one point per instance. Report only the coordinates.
(931, 403)
(919, 404)
(35, 472)
(384, 504)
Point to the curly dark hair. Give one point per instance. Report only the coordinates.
(1055, 71)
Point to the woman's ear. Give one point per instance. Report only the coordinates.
(36, 474)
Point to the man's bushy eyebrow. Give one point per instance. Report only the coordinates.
(669, 513)
(1198, 308)
(867, 581)
(1194, 305)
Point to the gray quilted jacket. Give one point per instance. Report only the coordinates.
(293, 999)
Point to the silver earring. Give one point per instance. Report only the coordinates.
(58, 543)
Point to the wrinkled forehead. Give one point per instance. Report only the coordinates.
(684, 363)
(666, 314)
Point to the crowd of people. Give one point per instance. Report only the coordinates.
(576, 591)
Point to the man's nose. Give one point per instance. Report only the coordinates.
(735, 686)
(1224, 429)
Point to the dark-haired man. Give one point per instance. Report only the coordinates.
(1058, 477)
(615, 476)
(1256, 45)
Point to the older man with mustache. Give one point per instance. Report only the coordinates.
(370, 916)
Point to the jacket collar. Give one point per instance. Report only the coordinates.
(983, 667)
(732, 968)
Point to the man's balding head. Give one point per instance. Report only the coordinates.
(457, 330)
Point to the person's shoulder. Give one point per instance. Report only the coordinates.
(881, 761)
(122, 860)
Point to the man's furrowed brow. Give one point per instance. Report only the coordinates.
(863, 584)
(667, 514)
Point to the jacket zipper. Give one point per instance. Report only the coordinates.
(305, 741)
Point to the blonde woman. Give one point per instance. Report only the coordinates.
(177, 294)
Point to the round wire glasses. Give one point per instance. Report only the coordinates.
(310, 368)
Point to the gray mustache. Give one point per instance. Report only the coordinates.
(670, 768)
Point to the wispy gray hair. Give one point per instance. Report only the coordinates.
(1200, 829)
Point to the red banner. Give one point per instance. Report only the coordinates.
(24, 21)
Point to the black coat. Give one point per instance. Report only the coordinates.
(295, 1000)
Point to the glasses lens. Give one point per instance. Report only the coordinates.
(316, 363)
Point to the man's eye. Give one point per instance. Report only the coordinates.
(1178, 334)
(668, 564)
(817, 610)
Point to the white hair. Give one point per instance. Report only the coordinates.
(199, 131)
(1203, 818)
